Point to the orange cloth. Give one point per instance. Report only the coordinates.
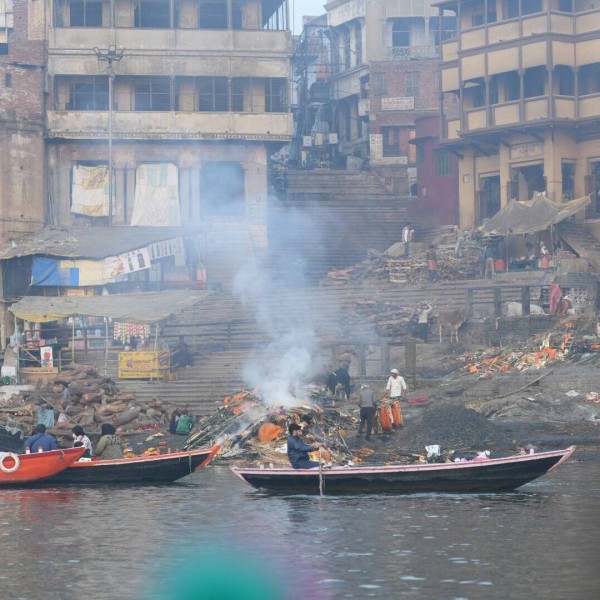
(397, 419)
(385, 418)
(269, 432)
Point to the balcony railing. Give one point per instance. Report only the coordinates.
(412, 52)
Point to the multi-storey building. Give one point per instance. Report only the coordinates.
(385, 74)
(526, 75)
(186, 99)
(22, 86)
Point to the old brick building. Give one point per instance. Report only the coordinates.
(22, 81)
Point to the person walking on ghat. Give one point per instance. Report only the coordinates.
(368, 406)
(432, 270)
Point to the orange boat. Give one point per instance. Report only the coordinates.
(21, 469)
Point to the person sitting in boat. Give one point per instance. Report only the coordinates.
(174, 420)
(184, 423)
(298, 451)
(110, 445)
(40, 440)
(80, 436)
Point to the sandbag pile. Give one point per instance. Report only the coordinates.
(93, 400)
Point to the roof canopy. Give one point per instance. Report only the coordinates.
(91, 242)
(143, 307)
(533, 215)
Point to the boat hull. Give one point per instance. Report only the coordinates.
(164, 468)
(38, 466)
(495, 475)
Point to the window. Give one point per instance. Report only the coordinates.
(511, 9)
(420, 155)
(448, 29)
(84, 93)
(534, 82)
(512, 87)
(8, 80)
(359, 48)
(411, 83)
(347, 51)
(530, 7)
(213, 15)
(152, 93)
(565, 6)
(259, 95)
(213, 94)
(152, 14)
(401, 33)
(391, 141)
(85, 14)
(379, 84)
(443, 164)
(275, 95)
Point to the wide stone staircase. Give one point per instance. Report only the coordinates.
(327, 219)
(225, 343)
(578, 236)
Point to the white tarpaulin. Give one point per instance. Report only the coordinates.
(156, 195)
(142, 307)
(89, 191)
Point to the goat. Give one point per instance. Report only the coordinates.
(453, 319)
(515, 309)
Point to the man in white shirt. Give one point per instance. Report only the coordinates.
(396, 385)
(407, 234)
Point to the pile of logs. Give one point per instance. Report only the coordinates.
(397, 269)
(93, 400)
(385, 319)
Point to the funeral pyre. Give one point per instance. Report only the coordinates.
(252, 433)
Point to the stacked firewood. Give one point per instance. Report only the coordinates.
(93, 400)
(389, 266)
(386, 319)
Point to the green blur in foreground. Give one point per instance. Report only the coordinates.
(221, 576)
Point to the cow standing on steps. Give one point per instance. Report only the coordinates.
(452, 319)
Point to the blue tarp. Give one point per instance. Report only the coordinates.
(47, 271)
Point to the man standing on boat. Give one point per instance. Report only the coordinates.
(298, 451)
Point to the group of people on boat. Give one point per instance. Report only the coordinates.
(110, 445)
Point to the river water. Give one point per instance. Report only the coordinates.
(215, 533)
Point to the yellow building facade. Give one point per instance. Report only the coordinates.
(526, 74)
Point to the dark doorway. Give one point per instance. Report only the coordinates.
(534, 178)
(222, 189)
(490, 198)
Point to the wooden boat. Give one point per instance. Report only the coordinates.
(162, 468)
(492, 475)
(23, 469)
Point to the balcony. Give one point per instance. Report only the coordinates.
(506, 113)
(587, 22)
(449, 51)
(476, 119)
(589, 106)
(206, 41)
(171, 126)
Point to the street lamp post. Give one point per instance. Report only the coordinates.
(110, 56)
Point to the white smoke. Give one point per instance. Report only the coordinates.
(281, 368)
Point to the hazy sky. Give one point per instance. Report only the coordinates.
(298, 8)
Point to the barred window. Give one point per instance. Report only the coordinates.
(152, 93)
(83, 93)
